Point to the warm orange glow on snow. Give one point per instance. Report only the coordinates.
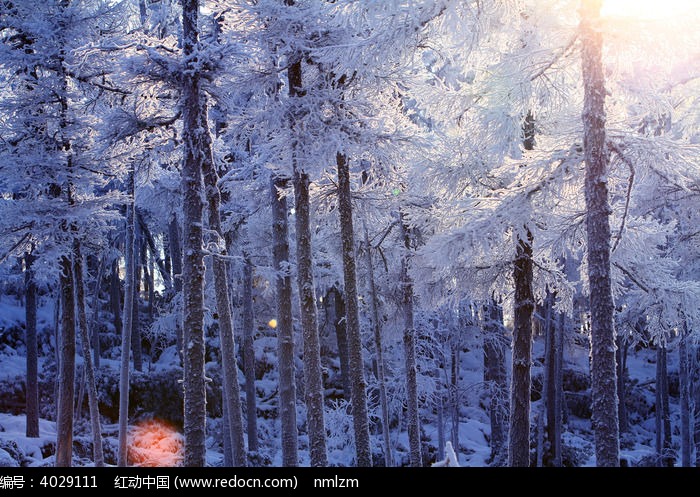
(648, 9)
(154, 443)
(272, 323)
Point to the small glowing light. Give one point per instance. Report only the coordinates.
(292, 211)
(395, 192)
(154, 443)
(272, 323)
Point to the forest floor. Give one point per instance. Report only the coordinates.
(159, 444)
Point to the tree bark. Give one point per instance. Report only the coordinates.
(95, 424)
(409, 343)
(193, 256)
(363, 453)
(32, 389)
(519, 442)
(232, 393)
(66, 374)
(285, 333)
(249, 354)
(603, 370)
(136, 350)
(668, 454)
(684, 380)
(341, 336)
(95, 335)
(313, 377)
(115, 296)
(621, 358)
(122, 455)
(496, 379)
(176, 259)
(376, 326)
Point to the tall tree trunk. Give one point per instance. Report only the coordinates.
(313, 377)
(285, 333)
(232, 392)
(176, 258)
(409, 344)
(496, 379)
(684, 380)
(66, 374)
(95, 335)
(695, 392)
(549, 386)
(454, 390)
(32, 389)
(621, 358)
(519, 442)
(136, 350)
(195, 413)
(603, 370)
(122, 455)
(553, 365)
(558, 399)
(668, 455)
(663, 419)
(95, 424)
(115, 296)
(149, 280)
(524, 305)
(377, 328)
(341, 336)
(249, 354)
(363, 453)
(439, 398)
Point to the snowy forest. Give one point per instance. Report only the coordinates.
(349, 233)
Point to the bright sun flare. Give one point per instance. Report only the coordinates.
(648, 9)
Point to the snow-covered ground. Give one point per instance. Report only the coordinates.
(157, 443)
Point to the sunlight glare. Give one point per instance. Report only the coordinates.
(154, 443)
(648, 9)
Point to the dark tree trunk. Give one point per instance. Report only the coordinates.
(193, 256)
(95, 335)
(89, 376)
(519, 444)
(136, 350)
(176, 259)
(621, 359)
(684, 380)
(249, 354)
(32, 390)
(454, 391)
(231, 387)
(341, 335)
(553, 365)
(122, 456)
(360, 418)
(668, 453)
(377, 328)
(496, 379)
(285, 330)
(603, 369)
(66, 371)
(313, 377)
(409, 344)
(115, 296)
